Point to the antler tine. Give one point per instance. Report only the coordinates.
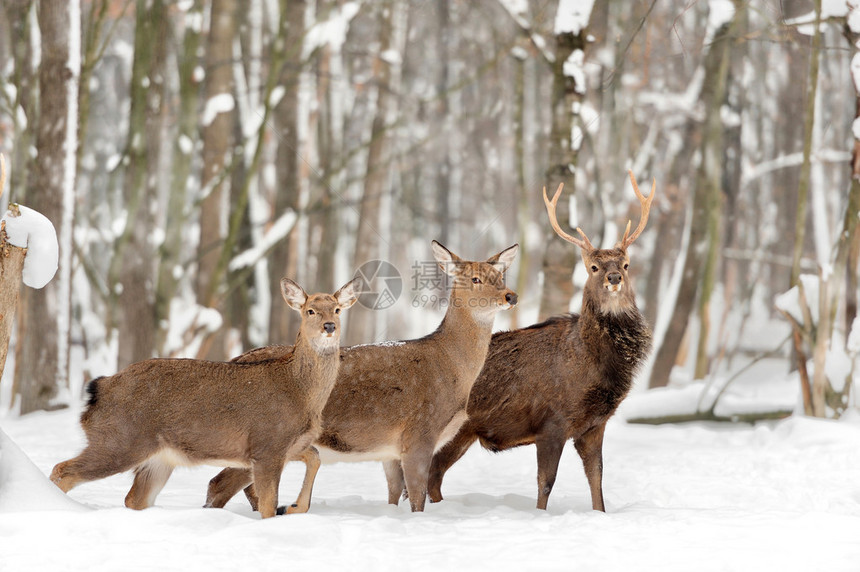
(2, 173)
(645, 203)
(553, 220)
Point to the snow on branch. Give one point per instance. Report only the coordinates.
(276, 233)
(331, 32)
(215, 105)
(517, 10)
(572, 16)
(26, 228)
(831, 11)
(795, 304)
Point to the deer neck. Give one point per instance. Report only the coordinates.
(315, 371)
(465, 337)
(625, 333)
(593, 309)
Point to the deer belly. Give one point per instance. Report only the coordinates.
(382, 453)
(451, 429)
(176, 458)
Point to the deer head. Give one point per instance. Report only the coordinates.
(608, 283)
(478, 286)
(320, 325)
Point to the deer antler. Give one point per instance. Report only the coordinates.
(2, 173)
(645, 203)
(553, 220)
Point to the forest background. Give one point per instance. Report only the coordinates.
(191, 153)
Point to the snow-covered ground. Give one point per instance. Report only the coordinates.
(776, 496)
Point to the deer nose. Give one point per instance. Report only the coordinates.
(511, 298)
(614, 278)
(329, 327)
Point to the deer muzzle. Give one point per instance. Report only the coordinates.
(614, 281)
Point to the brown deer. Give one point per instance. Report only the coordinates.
(563, 378)
(399, 402)
(160, 413)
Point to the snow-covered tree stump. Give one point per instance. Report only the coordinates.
(28, 253)
(11, 271)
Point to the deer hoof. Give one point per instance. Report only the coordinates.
(295, 508)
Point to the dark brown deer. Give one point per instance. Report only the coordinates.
(160, 413)
(563, 378)
(398, 402)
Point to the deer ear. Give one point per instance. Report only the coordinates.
(586, 261)
(348, 293)
(447, 260)
(503, 260)
(293, 294)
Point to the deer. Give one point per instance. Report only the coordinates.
(399, 402)
(562, 378)
(161, 413)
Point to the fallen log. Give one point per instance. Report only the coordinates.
(751, 417)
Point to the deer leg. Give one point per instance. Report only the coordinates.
(590, 449)
(91, 465)
(229, 481)
(225, 484)
(149, 478)
(394, 477)
(549, 447)
(446, 457)
(297, 451)
(416, 469)
(267, 477)
(311, 458)
(251, 495)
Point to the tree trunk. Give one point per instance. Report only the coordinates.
(170, 267)
(810, 405)
(92, 40)
(11, 269)
(524, 215)
(561, 257)
(443, 115)
(848, 245)
(808, 124)
(37, 363)
(136, 264)
(218, 120)
(283, 261)
(705, 200)
(325, 219)
(361, 326)
(25, 79)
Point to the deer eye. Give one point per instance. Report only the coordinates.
(337, 310)
(476, 280)
(625, 266)
(594, 268)
(311, 312)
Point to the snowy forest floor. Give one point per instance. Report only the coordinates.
(779, 495)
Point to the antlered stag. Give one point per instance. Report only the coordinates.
(398, 402)
(160, 413)
(563, 378)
